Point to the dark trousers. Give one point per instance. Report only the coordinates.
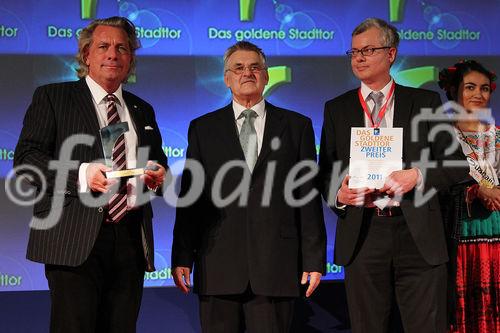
(104, 293)
(388, 268)
(234, 313)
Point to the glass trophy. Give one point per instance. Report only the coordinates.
(109, 135)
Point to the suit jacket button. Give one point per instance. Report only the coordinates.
(100, 209)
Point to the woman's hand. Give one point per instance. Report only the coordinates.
(490, 197)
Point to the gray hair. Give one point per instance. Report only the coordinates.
(243, 46)
(85, 40)
(389, 33)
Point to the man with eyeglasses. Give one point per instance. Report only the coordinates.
(397, 253)
(250, 254)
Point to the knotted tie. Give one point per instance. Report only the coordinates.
(118, 203)
(248, 137)
(378, 99)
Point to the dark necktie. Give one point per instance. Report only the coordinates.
(118, 203)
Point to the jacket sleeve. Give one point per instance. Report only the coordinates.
(328, 157)
(186, 239)
(313, 233)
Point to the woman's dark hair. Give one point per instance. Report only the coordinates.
(451, 77)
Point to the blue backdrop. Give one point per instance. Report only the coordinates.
(180, 73)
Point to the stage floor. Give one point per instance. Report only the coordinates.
(168, 310)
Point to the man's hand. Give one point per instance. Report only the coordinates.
(490, 197)
(182, 279)
(314, 280)
(400, 182)
(96, 179)
(353, 196)
(154, 178)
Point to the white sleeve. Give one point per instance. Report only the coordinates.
(337, 203)
(82, 178)
(420, 181)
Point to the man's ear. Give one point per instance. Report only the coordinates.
(392, 54)
(86, 56)
(226, 80)
(266, 76)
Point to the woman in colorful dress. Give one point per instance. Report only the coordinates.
(473, 214)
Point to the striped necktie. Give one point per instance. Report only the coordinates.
(118, 203)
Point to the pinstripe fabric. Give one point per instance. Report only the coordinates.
(57, 112)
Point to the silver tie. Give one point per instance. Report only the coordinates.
(248, 137)
(377, 98)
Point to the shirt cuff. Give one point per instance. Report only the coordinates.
(420, 181)
(82, 178)
(337, 203)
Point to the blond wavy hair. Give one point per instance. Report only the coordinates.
(85, 40)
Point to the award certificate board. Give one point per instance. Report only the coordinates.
(374, 154)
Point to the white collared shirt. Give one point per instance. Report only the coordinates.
(389, 113)
(98, 99)
(260, 121)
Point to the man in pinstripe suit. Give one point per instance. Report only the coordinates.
(94, 259)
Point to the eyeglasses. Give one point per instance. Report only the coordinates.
(254, 69)
(365, 52)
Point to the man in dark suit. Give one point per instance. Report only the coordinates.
(251, 252)
(95, 257)
(397, 253)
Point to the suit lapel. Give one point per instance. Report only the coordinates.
(273, 128)
(402, 107)
(354, 112)
(403, 104)
(136, 117)
(86, 109)
(228, 131)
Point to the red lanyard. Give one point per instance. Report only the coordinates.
(381, 113)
